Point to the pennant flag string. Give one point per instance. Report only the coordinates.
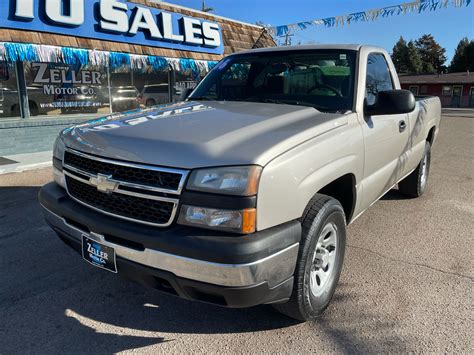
(12, 52)
(369, 15)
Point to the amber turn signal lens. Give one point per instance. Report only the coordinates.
(253, 179)
(249, 220)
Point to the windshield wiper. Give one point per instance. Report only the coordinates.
(203, 98)
(272, 101)
(295, 102)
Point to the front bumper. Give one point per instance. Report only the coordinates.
(226, 269)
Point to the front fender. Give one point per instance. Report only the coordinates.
(290, 181)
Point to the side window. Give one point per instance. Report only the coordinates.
(378, 77)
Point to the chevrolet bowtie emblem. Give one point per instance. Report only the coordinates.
(104, 183)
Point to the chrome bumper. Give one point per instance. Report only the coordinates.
(272, 269)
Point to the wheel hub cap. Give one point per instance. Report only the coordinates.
(324, 257)
(321, 258)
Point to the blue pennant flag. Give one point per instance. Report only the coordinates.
(329, 22)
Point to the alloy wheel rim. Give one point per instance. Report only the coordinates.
(324, 260)
(424, 172)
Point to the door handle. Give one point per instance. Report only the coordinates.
(402, 126)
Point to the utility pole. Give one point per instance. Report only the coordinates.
(204, 8)
(287, 37)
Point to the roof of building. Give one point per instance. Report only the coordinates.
(206, 14)
(237, 36)
(449, 78)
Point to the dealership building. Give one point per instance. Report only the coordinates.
(62, 62)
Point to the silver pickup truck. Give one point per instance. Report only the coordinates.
(240, 195)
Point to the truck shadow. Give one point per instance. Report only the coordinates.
(52, 301)
(394, 195)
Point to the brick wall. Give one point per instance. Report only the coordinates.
(29, 136)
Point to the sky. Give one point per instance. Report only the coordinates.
(447, 26)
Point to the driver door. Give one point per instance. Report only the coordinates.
(385, 136)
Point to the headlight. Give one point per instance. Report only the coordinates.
(58, 155)
(234, 180)
(59, 148)
(242, 221)
(59, 177)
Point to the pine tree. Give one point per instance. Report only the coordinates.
(463, 59)
(400, 56)
(406, 57)
(432, 54)
(414, 65)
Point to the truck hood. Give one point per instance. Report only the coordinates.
(198, 134)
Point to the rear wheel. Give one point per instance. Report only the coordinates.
(150, 102)
(414, 185)
(320, 259)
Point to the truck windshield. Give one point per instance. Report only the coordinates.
(323, 79)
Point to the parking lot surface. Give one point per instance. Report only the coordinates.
(407, 283)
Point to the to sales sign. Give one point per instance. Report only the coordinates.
(113, 20)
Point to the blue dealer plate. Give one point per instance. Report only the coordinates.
(98, 254)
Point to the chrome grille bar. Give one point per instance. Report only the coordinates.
(183, 173)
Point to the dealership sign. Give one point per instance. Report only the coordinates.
(57, 80)
(113, 20)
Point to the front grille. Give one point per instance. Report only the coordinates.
(136, 208)
(154, 178)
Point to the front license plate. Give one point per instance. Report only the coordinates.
(98, 254)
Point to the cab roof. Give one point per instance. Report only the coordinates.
(354, 47)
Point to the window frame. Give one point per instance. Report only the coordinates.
(417, 87)
(450, 90)
(352, 104)
(367, 71)
(458, 86)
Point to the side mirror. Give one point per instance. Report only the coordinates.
(185, 94)
(391, 102)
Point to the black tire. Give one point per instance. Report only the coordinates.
(15, 111)
(414, 185)
(150, 102)
(34, 111)
(303, 304)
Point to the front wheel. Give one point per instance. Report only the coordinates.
(414, 185)
(320, 259)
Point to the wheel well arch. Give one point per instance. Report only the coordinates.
(431, 133)
(343, 189)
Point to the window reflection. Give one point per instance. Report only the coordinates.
(59, 90)
(378, 77)
(9, 101)
(56, 89)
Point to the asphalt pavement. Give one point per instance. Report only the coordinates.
(407, 283)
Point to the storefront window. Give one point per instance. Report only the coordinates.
(67, 90)
(187, 79)
(61, 89)
(9, 100)
(138, 88)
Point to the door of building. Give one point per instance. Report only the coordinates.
(456, 98)
(471, 97)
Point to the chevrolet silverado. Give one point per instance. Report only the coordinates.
(240, 195)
